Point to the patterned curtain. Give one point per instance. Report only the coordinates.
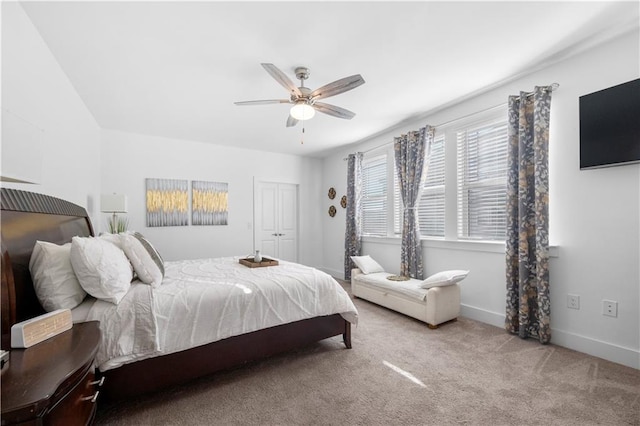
(527, 242)
(352, 236)
(410, 152)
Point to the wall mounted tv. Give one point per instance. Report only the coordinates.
(610, 126)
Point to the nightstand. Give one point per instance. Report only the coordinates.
(53, 382)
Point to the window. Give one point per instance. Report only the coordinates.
(482, 172)
(374, 196)
(398, 207)
(470, 159)
(431, 204)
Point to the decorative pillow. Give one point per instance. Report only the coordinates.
(102, 268)
(144, 257)
(112, 238)
(56, 284)
(444, 278)
(366, 264)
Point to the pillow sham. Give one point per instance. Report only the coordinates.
(112, 238)
(54, 281)
(444, 278)
(145, 259)
(102, 268)
(366, 264)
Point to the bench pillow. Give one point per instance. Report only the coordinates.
(444, 278)
(366, 264)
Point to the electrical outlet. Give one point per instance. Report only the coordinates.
(573, 301)
(610, 308)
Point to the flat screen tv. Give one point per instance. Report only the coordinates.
(610, 126)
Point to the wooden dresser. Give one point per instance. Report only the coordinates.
(53, 382)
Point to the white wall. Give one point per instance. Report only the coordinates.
(36, 89)
(128, 159)
(594, 217)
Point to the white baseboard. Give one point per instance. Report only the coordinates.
(597, 348)
(482, 315)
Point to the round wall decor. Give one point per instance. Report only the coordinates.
(343, 201)
(332, 211)
(332, 193)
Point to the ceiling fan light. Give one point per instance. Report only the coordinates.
(302, 111)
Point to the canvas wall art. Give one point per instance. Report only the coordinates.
(167, 202)
(209, 203)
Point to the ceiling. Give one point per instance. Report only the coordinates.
(174, 69)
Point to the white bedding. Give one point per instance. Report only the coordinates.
(205, 300)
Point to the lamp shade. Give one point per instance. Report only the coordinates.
(302, 111)
(113, 203)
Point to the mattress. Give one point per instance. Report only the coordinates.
(206, 300)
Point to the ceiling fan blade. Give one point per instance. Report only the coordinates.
(282, 78)
(264, 102)
(337, 87)
(334, 110)
(291, 121)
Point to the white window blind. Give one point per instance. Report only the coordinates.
(431, 204)
(374, 196)
(482, 173)
(397, 202)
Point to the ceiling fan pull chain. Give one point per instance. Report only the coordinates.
(302, 137)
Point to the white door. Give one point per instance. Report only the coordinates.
(276, 220)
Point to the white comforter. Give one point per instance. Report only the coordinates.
(205, 300)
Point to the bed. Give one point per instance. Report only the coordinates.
(28, 217)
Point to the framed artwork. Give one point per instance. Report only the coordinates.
(167, 202)
(209, 203)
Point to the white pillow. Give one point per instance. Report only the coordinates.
(444, 278)
(56, 284)
(366, 264)
(102, 268)
(112, 238)
(145, 259)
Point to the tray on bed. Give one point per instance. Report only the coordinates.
(251, 263)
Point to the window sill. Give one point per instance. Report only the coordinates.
(463, 245)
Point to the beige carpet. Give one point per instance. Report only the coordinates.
(399, 372)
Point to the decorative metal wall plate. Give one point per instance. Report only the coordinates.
(343, 201)
(332, 211)
(332, 193)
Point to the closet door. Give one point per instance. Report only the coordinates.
(276, 220)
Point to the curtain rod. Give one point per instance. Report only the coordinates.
(552, 87)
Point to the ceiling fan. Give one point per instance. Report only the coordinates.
(304, 100)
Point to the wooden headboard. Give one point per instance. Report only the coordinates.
(28, 217)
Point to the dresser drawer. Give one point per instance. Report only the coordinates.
(78, 407)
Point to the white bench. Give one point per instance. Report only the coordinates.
(433, 306)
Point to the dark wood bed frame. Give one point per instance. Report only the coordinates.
(27, 217)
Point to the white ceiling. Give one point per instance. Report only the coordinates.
(174, 69)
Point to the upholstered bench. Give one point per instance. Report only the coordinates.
(434, 305)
